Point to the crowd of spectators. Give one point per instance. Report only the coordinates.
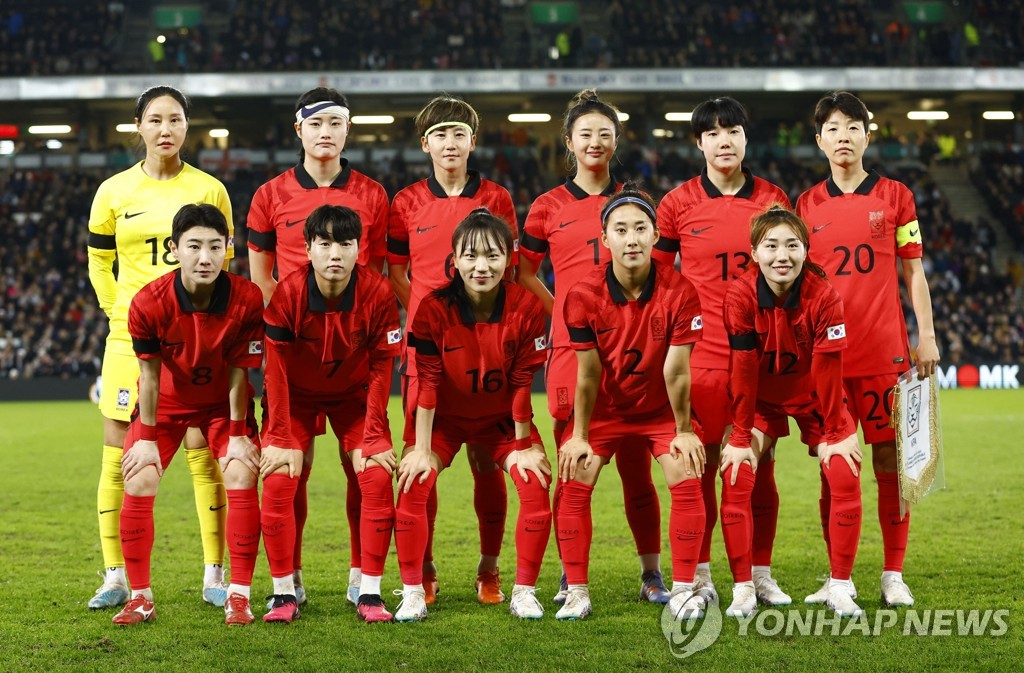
(62, 38)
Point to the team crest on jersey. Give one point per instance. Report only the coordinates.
(658, 328)
(800, 333)
(697, 323)
(124, 396)
(394, 336)
(540, 343)
(358, 337)
(509, 348)
(876, 220)
(836, 332)
(255, 348)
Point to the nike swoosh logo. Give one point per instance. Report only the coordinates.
(698, 232)
(170, 344)
(605, 330)
(385, 529)
(214, 509)
(107, 511)
(845, 525)
(914, 232)
(820, 227)
(534, 530)
(453, 348)
(292, 224)
(563, 225)
(421, 230)
(731, 523)
(247, 544)
(881, 426)
(129, 216)
(132, 539)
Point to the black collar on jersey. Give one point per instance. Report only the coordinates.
(619, 295)
(469, 191)
(746, 191)
(316, 300)
(218, 302)
(306, 181)
(863, 189)
(579, 194)
(766, 298)
(466, 309)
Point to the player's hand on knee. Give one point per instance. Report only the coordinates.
(848, 449)
(533, 460)
(385, 459)
(734, 457)
(143, 453)
(274, 458)
(570, 455)
(244, 451)
(415, 463)
(687, 445)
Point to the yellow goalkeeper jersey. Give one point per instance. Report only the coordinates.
(130, 223)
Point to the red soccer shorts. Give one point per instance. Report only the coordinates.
(347, 418)
(709, 396)
(653, 433)
(171, 428)
(560, 382)
(773, 420)
(496, 433)
(869, 400)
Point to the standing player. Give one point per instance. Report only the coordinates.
(707, 221)
(279, 209)
(196, 331)
(423, 218)
(332, 334)
(632, 324)
(861, 225)
(130, 224)
(479, 340)
(566, 223)
(787, 333)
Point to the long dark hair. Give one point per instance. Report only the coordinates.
(479, 225)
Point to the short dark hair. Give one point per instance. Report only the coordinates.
(630, 190)
(154, 92)
(193, 215)
(480, 224)
(446, 108)
(585, 102)
(723, 111)
(844, 102)
(333, 223)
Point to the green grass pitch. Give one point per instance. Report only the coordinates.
(965, 553)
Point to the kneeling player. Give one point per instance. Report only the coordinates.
(195, 332)
(332, 335)
(787, 333)
(632, 323)
(479, 340)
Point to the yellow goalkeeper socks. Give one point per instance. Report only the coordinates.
(108, 504)
(211, 502)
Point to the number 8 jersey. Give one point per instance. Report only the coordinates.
(130, 223)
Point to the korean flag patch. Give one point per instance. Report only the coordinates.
(697, 323)
(836, 332)
(394, 336)
(255, 348)
(540, 343)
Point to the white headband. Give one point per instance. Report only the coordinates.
(323, 107)
(440, 124)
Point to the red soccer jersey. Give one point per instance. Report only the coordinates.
(858, 238)
(196, 348)
(471, 369)
(783, 338)
(632, 337)
(420, 227)
(329, 352)
(566, 223)
(279, 210)
(711, 233)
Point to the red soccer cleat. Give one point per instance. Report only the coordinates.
(488, 588)
(137, 610)
(285, 609)
(371, 608)
(237, 612)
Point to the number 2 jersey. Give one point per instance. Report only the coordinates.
(858, 239)
(130, 223)
(196, 348)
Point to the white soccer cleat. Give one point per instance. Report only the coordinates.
(841, 602)
(110, 594)
(524, 603)
(895, 592)
(768, 592)
(686, 603)
(744, 600)
(577, 604)
(703, 585)
(215, 593)
(820, 597)
(413, 607)
(563, 591)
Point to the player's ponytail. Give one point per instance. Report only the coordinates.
(631, 194)
(585, 102)
(773, 217)
(479, 225)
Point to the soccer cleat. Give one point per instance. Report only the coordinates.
(895, 592)
(703, 585)
(300, 594)
(431, 588)
(524, 603)
(371, 608)
(841, 602)
(139, 609)
(820, 597)
(744, 600)
(237, 612)
(563, 591)
(109, 595)
(413, 607)
(285, 609)
(652, 587)
(686, 603)
(577, 604)
(215, 593)
(488, 588)
(352, 593)
(768, 591)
